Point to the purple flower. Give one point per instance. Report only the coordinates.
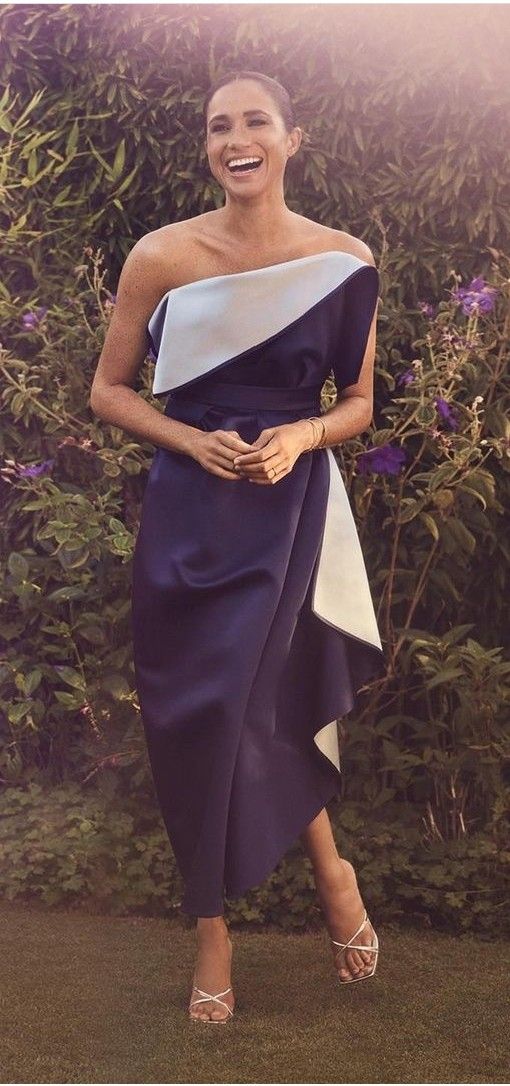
(406, 377)
(446, 413)
(32, 319)
(382, 460)
(426, 308)
(477, 297)
(43, 468)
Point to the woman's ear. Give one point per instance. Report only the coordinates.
(296, 135)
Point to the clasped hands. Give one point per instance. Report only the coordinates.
(264, 461)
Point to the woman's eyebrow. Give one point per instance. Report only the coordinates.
(247, 113)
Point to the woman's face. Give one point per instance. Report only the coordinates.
(244, 121)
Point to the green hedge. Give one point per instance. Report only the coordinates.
(104, 142)
(77, 848)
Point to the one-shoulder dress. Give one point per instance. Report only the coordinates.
(252, 617)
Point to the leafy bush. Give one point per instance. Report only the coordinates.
(82, 848)
(425, 493)
(75, 846)
(428, 482)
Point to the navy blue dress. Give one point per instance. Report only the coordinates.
(253, 622)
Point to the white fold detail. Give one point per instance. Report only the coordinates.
(341, 593)
(326, 739)
(216, 319)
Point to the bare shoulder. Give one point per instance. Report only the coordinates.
(348, 243)
(179, 249)
(160, 253)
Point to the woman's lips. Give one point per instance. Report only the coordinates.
(244, 173)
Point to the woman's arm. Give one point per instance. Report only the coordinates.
(141, 286)
(353, 410)
(352, 413)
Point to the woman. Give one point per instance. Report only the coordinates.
(253, 624)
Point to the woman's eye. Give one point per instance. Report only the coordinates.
(256, 120)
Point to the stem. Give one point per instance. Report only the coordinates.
(388, 587)
(501, 363)
(416, 598)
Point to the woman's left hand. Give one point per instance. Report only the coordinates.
(275, 452)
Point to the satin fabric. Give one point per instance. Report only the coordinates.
(235, 671)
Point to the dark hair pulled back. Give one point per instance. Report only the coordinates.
(279, 94)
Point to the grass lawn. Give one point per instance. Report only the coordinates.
(103, 999)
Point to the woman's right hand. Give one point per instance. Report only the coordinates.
(215, 451)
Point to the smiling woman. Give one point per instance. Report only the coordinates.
(265, 125)
(253, 623)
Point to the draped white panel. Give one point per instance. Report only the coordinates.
(213, 320)
(341, 593)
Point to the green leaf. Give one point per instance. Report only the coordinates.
(101, 160)
(430, 523)
(409, 509)
(72, 140)
(18, 566)
(456, 634)
(68, 592)
(445, 676)
(71, 701)
(125, 184)
(117, 685)
(482, 485)
(116, 525)
(32, 681)
(18, 710)
(443, 474)
(119, 160)
(94, 634)
(462, 536)
(70, 676)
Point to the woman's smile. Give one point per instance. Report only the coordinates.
(241, 170)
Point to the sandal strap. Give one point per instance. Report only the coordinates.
(207, 995)
(354, 946)
(357, 946)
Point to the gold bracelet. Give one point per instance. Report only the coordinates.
(314, 431)
(323, 435)
(317, 444)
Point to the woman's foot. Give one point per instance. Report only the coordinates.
(212, 969)
(343, 908)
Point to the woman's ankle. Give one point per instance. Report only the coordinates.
(210, 927)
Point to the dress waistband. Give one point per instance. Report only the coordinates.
(225, 394)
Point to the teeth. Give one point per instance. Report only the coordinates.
(242, 161)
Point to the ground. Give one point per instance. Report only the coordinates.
(103, 999)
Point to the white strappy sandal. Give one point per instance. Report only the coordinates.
(205, 996)
(371, 948)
